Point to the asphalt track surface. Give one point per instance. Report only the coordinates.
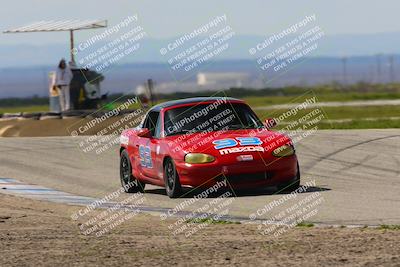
(356, 172)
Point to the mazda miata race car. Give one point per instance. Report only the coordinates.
(198, 142)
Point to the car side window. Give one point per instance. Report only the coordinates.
(151, 121)
(157, 133)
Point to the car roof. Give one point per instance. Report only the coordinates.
(191, 100)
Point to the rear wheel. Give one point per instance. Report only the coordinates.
(128, 181)
(171, 179)
(292, 185)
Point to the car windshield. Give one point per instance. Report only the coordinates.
(210, 117)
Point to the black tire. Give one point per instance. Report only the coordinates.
(292, 185)
(125, 172)
(171, 179)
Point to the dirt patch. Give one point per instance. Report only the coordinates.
(35, 233)
(51, 127)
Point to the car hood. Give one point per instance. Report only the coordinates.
(215, 142)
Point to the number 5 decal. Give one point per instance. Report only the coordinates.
(145, 157)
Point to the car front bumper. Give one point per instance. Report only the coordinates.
(239, 175)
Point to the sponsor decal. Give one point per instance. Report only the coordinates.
(241, 149)
(245, 158)
(246, 144)
(145, 157)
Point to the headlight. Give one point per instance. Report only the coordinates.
(283, 151)
(198, 158)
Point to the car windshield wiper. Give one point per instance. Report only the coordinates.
(182, 131)
(238, 126)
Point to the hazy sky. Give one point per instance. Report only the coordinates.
(170, 18)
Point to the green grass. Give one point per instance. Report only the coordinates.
(356, 117)
(256, 101)
(37, 108)
(209, 221)
(45, 108)
(305, 224)
(334, 113)
(390, 227)
(322, 97)
(359, 124)
(359, 117)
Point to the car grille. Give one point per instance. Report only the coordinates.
(247, 178)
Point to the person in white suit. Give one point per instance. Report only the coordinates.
(62, 80)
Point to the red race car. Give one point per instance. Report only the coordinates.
(199, 142)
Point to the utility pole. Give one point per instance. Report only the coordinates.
(391, 68)
(150, 86)
(71, 37)
(344, 65)
(378, 68)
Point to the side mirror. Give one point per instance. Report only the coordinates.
(144, 132)
(270, 123)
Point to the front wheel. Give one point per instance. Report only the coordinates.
(171, 179)
(128, 181)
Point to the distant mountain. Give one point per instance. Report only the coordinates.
(24, 55)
